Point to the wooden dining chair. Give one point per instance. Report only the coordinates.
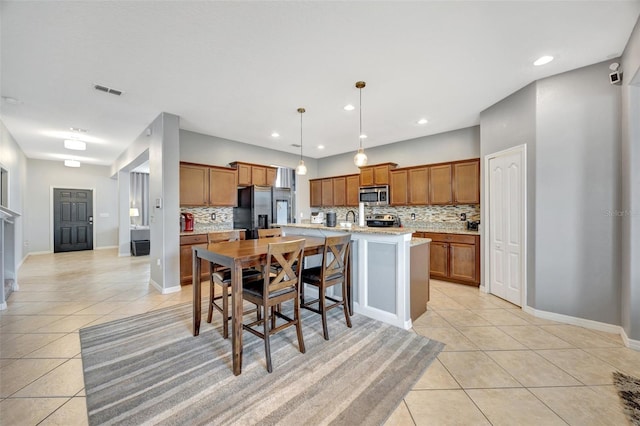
(221, 276)
(271, 291)
(332, 272)
(269, 233)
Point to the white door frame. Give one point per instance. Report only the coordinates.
(486, 218)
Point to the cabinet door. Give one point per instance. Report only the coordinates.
(327, 192)
(186, 265)
(339, 191)
(439, 260)
(258, 175)
(244, 175)
(381, 175)
(366, 176)
(462, 262)
(418, 186)
(223, 187)
(315, 191)
(466, 182)
(398, 187)
(271, 176)
(194, 185)
(440, 184)
(353, 190)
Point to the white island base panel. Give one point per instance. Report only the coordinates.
(380, 268)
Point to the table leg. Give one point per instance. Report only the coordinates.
(236, 313)
(197, 303)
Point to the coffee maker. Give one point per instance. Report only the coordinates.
(186, 222)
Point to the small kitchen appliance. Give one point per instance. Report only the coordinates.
(188, 221)
(383, 221)
(317, 217)
(331, 219)
(473, 225)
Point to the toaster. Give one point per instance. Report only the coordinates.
(317, 217)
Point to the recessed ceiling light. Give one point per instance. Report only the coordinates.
(320, 146)
(543, 60)
(275, 135)
(349, 107)
(72, 163)
(75, 144)
(78, 129)
(423, 121)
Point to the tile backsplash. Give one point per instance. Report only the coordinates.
(447, 216)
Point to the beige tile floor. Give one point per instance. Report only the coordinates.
(500, 365)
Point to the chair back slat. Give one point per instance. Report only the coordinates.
(269, 233)
(336, 255)
(218, 237)
(283, 256)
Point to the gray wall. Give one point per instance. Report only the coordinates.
(509, 123)
(570, 123)
(630, 220)
(15, 162)
(42, 176)
(449, 146)
(577, 188)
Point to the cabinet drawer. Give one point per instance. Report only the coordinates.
(193, 239)
(450, 238)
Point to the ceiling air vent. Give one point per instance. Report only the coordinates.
(106, 89)
(296, 145)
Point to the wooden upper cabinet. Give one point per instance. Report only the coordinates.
(440, 179)
(202, 185)
(194, 185)
(399, 187)
(466, 182)
(272, 174)
(315, 195)
(258, 175)
(353, 190)
(254, 174)
(244, 174)
(339, 191)
(418, 186)
(376, 175)
(223, 187)
(327, 192)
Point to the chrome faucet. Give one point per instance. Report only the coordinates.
(346, 217)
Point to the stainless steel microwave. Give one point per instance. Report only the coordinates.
(374, 195)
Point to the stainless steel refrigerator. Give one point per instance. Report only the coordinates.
(254, 209)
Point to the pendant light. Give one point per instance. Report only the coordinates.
(360, 158)
(301, 169)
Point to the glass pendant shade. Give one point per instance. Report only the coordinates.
(301, 169)
(360, 158)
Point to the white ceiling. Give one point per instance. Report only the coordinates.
(239, 70)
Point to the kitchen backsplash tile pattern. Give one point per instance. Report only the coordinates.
(203, 215)
(443, 216)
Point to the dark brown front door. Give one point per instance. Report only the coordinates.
(72, 219)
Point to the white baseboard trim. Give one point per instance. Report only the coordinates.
(162, 290)
(35, 253)
(3, 306)
(127, 254)
(586, 323)
(105, 248)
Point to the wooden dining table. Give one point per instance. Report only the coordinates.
(238, 255)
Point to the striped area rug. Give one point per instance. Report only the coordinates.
(150, 369)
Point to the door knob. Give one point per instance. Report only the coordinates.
(90, 220)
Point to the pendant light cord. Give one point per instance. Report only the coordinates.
(301, 136)
(360, 135)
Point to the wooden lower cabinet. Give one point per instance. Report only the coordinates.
(187, 242)
(454, 257)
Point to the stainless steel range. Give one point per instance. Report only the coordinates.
(383, 221)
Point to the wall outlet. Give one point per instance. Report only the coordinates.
(158, 262)
(26, 243)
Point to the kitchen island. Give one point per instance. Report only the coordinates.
(384, 278)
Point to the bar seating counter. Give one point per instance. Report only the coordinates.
(381, 269)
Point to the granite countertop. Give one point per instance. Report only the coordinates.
(353, 228)
(422, 228)
(415, 241)
(207, 228)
